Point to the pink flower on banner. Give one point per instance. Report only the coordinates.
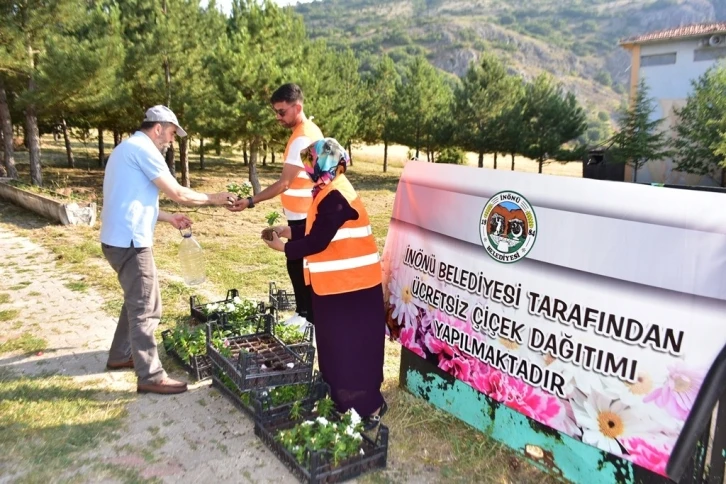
(437, 346)
(524, 398)
(426, 325)
(679, 392)
(645, 454)
(458, 366)
(408, 340)
(479, 378)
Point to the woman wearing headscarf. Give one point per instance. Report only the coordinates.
(342, 265)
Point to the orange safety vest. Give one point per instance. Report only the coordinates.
(298, 197)
(350, 262)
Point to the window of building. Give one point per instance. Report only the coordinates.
(709, 54)
(657, 59)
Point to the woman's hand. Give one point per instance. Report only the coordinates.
(283, 231)
(275, 243)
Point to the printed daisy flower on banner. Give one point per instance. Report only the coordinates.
(679, 392)
(633, 393)
(406, 306)
(605, 422)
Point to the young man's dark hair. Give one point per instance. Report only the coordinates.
(288, 93)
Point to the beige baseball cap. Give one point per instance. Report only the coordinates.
(162, 114)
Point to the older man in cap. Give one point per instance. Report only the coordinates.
(135, 173)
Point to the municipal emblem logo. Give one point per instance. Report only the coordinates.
(508, 227)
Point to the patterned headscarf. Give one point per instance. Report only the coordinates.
(326, 159)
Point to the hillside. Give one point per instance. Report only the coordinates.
(575, 40)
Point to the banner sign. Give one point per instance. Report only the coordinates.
(595, 308)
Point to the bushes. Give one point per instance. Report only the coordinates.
(452, 156)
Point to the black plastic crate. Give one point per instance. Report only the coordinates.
(320, 468)
(258, 404)
(281, 299)
(199, 366)
(267, 364)
(196, 307)
(266, 411)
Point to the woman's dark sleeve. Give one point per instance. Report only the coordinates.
(333, 212)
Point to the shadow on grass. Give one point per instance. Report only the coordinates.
(48, 420)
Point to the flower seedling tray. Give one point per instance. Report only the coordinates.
(261, 360)
(199, 366)
(196, 307)
(258, 404)
(320, 468)
(281, 299)
(265, 409)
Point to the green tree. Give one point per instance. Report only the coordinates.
(700, 127)
(77, 71)
(511, 121)
(332, 92)
(25, 27)
(261, 51)
(377, 105)
(421, 97)
(486, 92)
(639, 139)
(551, 118)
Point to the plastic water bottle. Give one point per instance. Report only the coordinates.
(191, 257)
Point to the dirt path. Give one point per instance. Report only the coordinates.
(194, 437)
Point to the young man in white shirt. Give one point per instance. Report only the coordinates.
(294, 186)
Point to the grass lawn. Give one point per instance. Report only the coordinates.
(421, 437)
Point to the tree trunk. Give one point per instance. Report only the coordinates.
(495, 160)
(635, 173)
(101, 149)
(170, 160)
(723, 177)
(481, 159)
(512, 161)
(7, 132)
(217, 146)
(67, 141)
(184, 159)
(272, 157)
(350, 153)
(385, 156)
(254, 147)
(264, 154)
(244, 154)
(116, 138)
(32, 137)
(201, 153)
(540, 162)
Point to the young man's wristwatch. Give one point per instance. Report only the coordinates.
(250, 203)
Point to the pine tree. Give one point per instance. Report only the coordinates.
(25, 27)
(332, 93)
(484, 95)
(700, 127)
(261, 51)
(421, 98)
(377, 105)
(639, 140)
(550, 119)
(77, 72)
